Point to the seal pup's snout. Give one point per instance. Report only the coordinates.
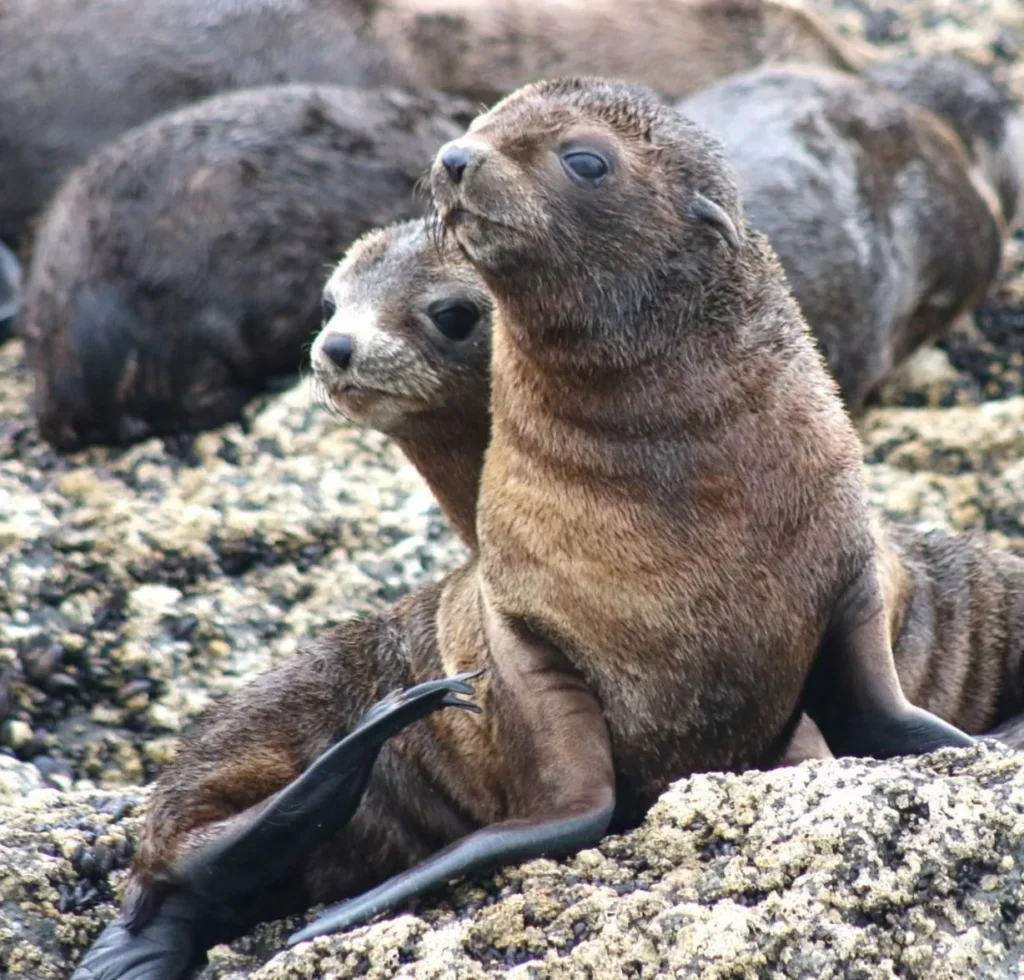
(454, 167)
(460, 158)
(455, 159)
(338, 347)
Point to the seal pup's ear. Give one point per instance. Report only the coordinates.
(704, 209)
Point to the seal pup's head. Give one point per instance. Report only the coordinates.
(585, 203)
(406, 333)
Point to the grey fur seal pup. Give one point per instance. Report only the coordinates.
(178, 273)
(885, 223)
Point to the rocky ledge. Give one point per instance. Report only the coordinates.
(846, 869)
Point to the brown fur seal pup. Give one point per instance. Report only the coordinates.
(177, 273)
(955, 607)
(487, 48)
(652, 461)
(861, 194)
(75, 74)
(535, 772)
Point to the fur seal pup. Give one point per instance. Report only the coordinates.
(177, 274)
(860, 193)
(75, 74)
(954, 606)
(558, 755)
(486, 48)
(654, 490)
(10, 289)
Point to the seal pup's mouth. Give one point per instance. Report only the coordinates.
(355, 394)
(361, 404)
(459, 216)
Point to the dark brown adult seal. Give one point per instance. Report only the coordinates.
(179, 272)
(861, 194)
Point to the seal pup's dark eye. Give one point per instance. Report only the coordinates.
(585, 167)
(329, 308)
(455, 320)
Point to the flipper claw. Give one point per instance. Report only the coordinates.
(451, 701)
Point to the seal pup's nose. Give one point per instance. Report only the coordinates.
(455, 160)
(338, 347)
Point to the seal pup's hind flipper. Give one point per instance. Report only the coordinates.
(503, 843)
(165, 939)
(317, 804)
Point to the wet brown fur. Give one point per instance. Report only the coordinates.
(178, 273)
(285, 719)
(954, 606)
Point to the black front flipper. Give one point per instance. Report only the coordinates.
(853, 693)
(170, 940)
(504, 843)
(563, 788)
